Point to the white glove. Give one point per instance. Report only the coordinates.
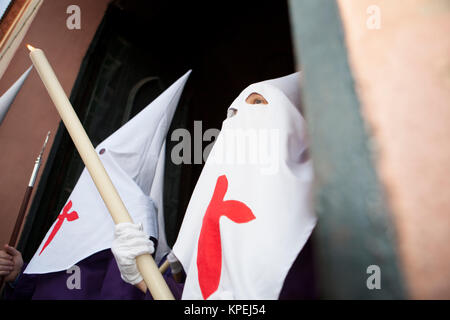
(129, 242)
(175, 265)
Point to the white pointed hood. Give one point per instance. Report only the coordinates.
(8, 97)
(137, 150)
(251, 211)
(130, 156)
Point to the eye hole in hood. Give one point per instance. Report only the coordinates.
(231, 112)
(256, 98)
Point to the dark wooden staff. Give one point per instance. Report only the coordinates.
(26, 199)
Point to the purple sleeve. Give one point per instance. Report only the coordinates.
(22, 288)
(300, 282)
(99, 279)
(114, 288)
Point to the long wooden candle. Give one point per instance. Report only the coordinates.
(146, 265)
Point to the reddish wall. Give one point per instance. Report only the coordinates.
(402, 74)
(32, 114)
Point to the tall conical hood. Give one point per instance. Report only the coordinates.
(136, 145)
(8, 97)
(289, 85)
(130, 156)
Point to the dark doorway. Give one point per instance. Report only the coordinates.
(142, 47)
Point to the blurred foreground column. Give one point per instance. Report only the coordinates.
(377, 102)
(355, 234)
(401, 66)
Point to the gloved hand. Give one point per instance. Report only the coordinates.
(129, 242)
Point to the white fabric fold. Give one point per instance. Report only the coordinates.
(130, 156)
(175, 265)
